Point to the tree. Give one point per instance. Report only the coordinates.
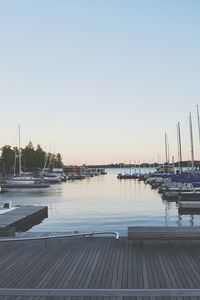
(40, 157)
(58, 161)
(8, 158)
(31, 159)
(28, 157)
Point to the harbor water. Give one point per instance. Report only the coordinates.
(101, 203)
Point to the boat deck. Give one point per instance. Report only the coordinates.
(99, 262)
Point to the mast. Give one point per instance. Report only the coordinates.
(130, 166)
(139, 167)
(135, 166)
(198, 122)
(191, 140)
(168, 160)
(166, 152)
(179, 165)
(15, 163)
(179, 147)
(20, 159)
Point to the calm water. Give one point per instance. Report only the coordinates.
(101, 203)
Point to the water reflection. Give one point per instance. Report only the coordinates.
(166, 217)
(192, 220)
(179, 221)
(102, 203)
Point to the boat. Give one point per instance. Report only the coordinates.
(165, 168)
(127, 176)
(52, 178)
(75, 177)
(22, 179)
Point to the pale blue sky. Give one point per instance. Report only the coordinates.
(101, 80)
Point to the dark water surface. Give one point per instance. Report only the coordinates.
(101, 203)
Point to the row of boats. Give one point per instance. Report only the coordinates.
(176, 187)
(172, 186)
(44, 180)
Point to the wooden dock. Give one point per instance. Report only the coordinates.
(189, 207)
(163, 233)
(21, 218)
(24, 186)
(99, 263)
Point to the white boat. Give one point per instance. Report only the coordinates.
(20, 179)
(52, 178)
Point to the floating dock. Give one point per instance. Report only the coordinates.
(21, 218)
(189, 207)
(23, 186)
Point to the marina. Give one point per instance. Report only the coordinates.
(101, 203)
(81, 247)
(100, 150)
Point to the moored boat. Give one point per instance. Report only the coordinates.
(75, 177)
(52, 178)
(127, 176)
(20, 180)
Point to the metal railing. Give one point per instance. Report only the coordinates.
(59, 236)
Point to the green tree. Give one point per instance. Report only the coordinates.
(58, 161)
(31, 159)
(40, 156)
(8, 158)
(28, 157)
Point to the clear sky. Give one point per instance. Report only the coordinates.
(101, 81)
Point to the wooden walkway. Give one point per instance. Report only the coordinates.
(99, 262)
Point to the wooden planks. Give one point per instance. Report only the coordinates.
(163, 233)
(100, 263)
(22, 218)
(101, 292)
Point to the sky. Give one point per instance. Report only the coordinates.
(100, 81)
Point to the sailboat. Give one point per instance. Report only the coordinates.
(50, 177)
(20, 179)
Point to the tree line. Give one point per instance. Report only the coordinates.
(32, 159)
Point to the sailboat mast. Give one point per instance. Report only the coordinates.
(166, 147)
(198, 122)
(168, 160)
(191, 140)
(20, 159)
(179, 146)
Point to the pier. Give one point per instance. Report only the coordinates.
(21, 218)
(24, 186)
(99, 266)
(189, 207)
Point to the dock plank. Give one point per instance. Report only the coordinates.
(99, 262)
